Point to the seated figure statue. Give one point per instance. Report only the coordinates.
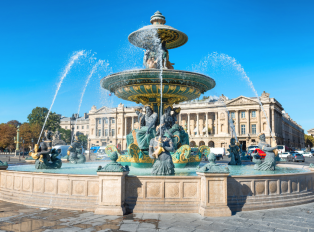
(75, 152)
(159, 149)
(269, 163)
(234, 151)
(45, 156)
(173, 130)
(147, 130)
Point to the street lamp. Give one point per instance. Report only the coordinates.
(89, 148)
(23, 149)
(17, 140)
(32, 144)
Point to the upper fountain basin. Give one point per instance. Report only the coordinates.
(146, 36)
(143, 85)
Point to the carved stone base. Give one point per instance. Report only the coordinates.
(111, 210)
(215, 211)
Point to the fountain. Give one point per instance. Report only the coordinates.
(179, 183)
(158, 87)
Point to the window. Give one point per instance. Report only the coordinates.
(99, 121)
(113, 121)
(242, 114)
(253, 114)
(106, 120)
(232, 115)
(87, 127)
(254, 129)
(112, 132)
(99, 132)
(242, 129)
(82, 127)
(214, 130)
(106, 132)
(66, 127)
(77, 127)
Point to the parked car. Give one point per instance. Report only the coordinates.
(259, 152)
(219, 157)
(307, 154)
(300, 151)
(250, 149)
(284, 154)
(62, 150)
(295, 157)
(218, 151)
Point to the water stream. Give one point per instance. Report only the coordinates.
(225, 60)
(72, 60)
(94, 69)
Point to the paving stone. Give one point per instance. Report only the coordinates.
(128, 227)
(147, 225)
(150, 216)
(288, 227)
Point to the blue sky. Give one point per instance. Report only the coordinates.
(272, 40)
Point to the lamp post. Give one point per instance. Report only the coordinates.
(32, 144)
(89, 149)
(23, 149)
(17, 140)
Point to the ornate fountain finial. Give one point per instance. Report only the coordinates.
(157, 18)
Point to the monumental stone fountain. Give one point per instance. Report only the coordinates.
(158, 87)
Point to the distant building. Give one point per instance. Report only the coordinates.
(207, 123)
(311, 132)
(76, 123)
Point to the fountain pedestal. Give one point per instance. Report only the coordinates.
(214, 195)
(111, 193)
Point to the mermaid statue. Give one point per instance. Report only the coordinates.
(75, 152)
(234, 151)
(159, 149)
(45, 156)
(174, 131)
(269, 163)
(142, 136)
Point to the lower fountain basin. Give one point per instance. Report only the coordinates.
(91, 167)
(79, 187)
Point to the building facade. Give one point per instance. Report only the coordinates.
(207, 122)
(76, 123)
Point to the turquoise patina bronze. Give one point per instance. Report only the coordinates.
(45, 156)
(212, 167)
(75, 152)
(113, 166)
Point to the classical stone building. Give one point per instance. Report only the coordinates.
(76, 123)
(207, 123)
(311, 132)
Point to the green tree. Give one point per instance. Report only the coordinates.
(7, 133)
(65, 135)
(14, 123)
(309, 141)
(38, 116)
(83, 139)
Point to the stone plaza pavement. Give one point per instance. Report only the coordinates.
(15, 217)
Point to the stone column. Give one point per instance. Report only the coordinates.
(216, 123)
(197, 125)
(111, 193)
(214, 195)
(206, 124)
(125, 126)
(237, 122)
(102, 127)
(273, 121)
(248, 122)
(132, 123)
(189, 124)
(258, 124)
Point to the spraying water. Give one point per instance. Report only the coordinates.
(94, 69)
(73, 58)
(214, 58)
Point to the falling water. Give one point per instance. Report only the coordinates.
(94, 69)
(227, 60)
(73, 58)
(160, 76)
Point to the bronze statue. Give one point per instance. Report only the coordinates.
(234, 151)
(159, 149)
(75, 152)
